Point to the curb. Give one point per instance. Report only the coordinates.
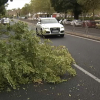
(84, 35)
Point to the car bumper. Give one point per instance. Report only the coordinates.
(53, 33)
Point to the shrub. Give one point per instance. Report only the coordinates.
(25, 58)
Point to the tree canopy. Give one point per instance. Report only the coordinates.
(41, 6)
(64, 5)
(2, 10)
(89, 5)
(26, 9)
(2, 6)
(2, 2)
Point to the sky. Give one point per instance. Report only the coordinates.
(17, 4)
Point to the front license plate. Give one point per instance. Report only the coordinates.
(55, 31)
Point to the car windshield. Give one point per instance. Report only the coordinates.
(45, 21)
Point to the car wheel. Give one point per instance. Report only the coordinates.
(41, 33)
(37, 32)
(62, 35)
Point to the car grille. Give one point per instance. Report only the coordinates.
(55, 30)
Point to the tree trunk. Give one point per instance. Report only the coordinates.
(65, 15)
(93, 15)
(82, 16)
(76, 15)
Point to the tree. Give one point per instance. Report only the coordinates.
(65, 5)
(90, 5)
(2, 6)
(57, 4)
(2, 2)
(76, 8)
(41, 6)
(2, 10)
(26, 9)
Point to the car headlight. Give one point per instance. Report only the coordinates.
(62, 28)
(45, 28)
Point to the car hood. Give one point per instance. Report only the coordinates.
(50, 25)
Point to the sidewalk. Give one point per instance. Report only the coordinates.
(84, 35)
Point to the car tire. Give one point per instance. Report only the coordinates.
(37, 32)
(41, 33)
(62, 35)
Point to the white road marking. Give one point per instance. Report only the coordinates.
(84, 38)
(87, 73)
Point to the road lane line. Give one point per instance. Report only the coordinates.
(83, 38)
(87, 73)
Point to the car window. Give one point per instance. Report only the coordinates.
(44, 21)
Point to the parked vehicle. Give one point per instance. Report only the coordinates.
(23, 17)
(66, 21)
(98, 25)
(49, 26)
(89, 23)
(60, 21)
(76, 22)
(5, 21)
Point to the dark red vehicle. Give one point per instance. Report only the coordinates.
(89, 23)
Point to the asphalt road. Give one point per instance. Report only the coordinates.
(79, 29)
(81, 87)
(85, 52)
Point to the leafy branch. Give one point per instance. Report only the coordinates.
(24, 59)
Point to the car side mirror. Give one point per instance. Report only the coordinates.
(60, 21)
(39, 22)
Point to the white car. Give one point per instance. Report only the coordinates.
(5, 20)
(76, 22)
(66, 21)
(22, 17)
(49, 26)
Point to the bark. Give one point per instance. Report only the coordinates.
(65, 15)
(76, 15)
(93, 14)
